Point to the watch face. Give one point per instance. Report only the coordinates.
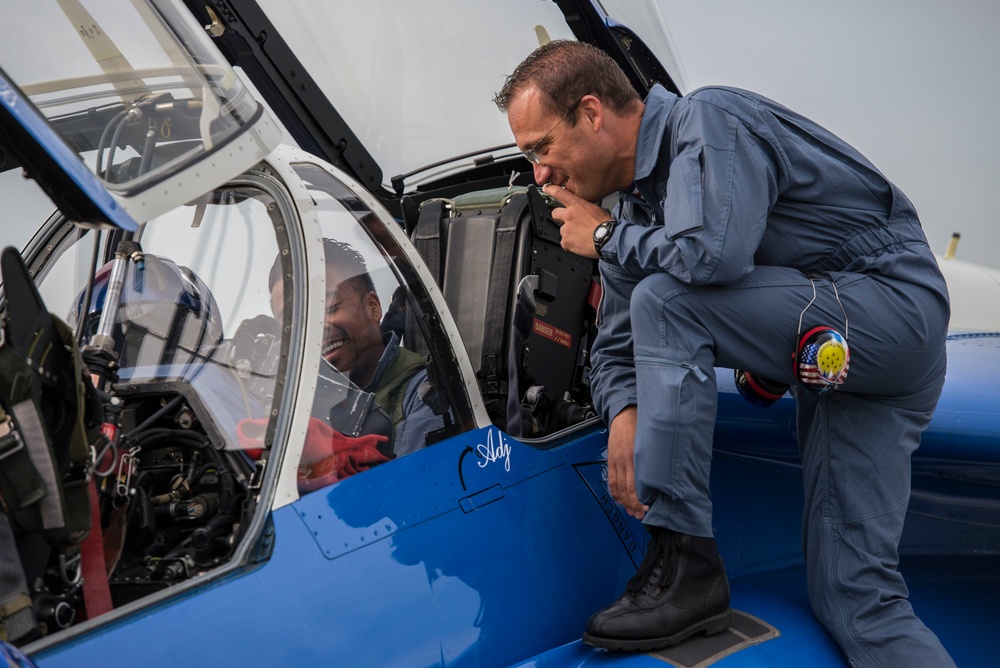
(602, 233)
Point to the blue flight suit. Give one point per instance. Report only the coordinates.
(740, 210)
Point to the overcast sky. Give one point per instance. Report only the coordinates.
(913, 84)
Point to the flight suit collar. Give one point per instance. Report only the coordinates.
(652, 130)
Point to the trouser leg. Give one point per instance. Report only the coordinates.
(680, 332)
(856, 442)
(681, 587)
(856, 468)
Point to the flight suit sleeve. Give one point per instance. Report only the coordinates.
(713, 205)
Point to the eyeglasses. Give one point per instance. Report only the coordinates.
(530, 153)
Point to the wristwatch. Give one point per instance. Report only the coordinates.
(603, 232)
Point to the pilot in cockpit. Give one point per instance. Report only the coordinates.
(355, 345)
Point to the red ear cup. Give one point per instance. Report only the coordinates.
(758, 391)
(822, 359)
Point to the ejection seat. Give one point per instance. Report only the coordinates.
(525, 308)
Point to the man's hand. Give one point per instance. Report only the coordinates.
(578, 220)
(621, 463)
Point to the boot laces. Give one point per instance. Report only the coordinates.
(657, 567)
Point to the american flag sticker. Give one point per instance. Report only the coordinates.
(823, 359)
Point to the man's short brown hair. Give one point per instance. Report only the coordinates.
(566, 70)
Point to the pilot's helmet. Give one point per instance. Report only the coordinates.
(167, 314)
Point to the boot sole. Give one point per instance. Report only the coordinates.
(710, 626)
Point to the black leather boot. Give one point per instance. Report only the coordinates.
(680, 589)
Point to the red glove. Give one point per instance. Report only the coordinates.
(328, 455)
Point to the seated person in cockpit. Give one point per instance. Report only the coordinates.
(354, 344)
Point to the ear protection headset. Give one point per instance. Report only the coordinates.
(822, 358)
(761, 392)
(820, 361)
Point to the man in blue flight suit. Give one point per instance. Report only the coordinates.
(742, 226)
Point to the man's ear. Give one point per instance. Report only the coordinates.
(593, 111)
(375, 306)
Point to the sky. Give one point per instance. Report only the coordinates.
(913, 84)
